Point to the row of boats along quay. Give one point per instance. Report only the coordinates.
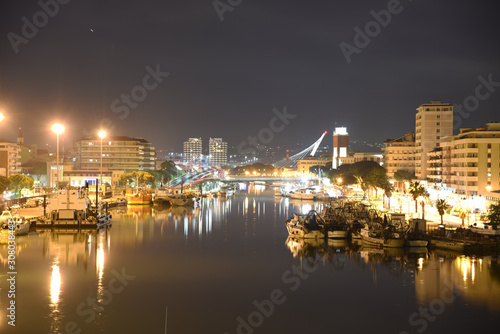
(89, 207)
(358, 222)
(341, 218)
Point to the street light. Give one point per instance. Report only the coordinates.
(1, 116)
(102, 134)
(58, 128)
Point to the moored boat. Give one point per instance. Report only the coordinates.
(182, 200)
(302, 194)
(416, 242)
(16, 226)
(449, 244)
(139, 199)
(309, 226)
(488, 229)
(381, 238)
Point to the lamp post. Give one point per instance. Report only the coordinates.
(58, 128)
(102, 134)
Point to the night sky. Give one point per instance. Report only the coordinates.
(225, 77)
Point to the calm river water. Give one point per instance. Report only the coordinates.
(228, 267)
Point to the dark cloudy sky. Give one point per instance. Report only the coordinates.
(226, 77)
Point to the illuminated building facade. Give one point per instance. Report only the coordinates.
(399, 154)
(217, 152)
(433, 121)
(304, 164)
(192, 150)
(471, 161)
(10, 162)
(118, 153)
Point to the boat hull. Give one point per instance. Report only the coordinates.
(182, 202)
(416, 243)
(298, 232)
(452, 245)
(381, 242)
(485, 231)
(139, 200)
(338, 234)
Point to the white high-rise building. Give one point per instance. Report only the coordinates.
(217, 152)
(192, 150)
(433, 121)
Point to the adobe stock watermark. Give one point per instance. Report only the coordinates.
(372, 29)
(40, 19)
(221, 7)
(266, 135)
(471, 103)
(264, 309)
(126, 102)
(420, 319)
(91, 306)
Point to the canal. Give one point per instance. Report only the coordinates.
(227, 266)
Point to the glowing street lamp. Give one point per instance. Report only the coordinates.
(58, 128)
(1, 116)
(102, 134)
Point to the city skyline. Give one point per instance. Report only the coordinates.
(210, 76)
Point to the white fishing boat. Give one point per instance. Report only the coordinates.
(15, 226)
(162, 197)
(381, 237)
(309, 226)
(6, 216)
(302, 194)
(334, 228)
(488, 229)
(450, 244)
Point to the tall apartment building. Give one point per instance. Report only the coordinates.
(340, 146)
(399, 154)
(433, 121)
(10, 160)
(118, 153)
(471, 161)
(192, 150)
(217, 152)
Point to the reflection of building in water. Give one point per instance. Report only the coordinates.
(22, 242)
(72, 247)
(476, 279)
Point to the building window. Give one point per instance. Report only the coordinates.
(438, 116)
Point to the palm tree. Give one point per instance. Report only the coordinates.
(416, 190)
(494, 215)
(441, 206)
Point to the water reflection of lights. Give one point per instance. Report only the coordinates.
(55, 284)
(420, 263)
(100, 260)
(305, 208)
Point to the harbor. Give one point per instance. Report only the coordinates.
(251, 224)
